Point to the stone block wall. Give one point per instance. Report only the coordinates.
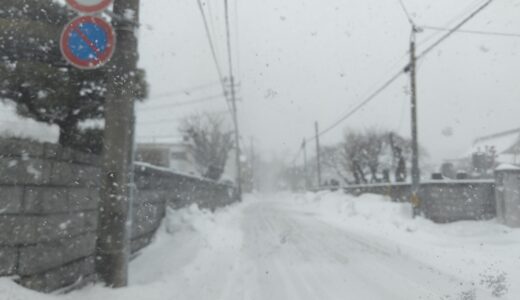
(452, 201)
(48, 210)
(48, 214)
(180, 189)
(444, 200)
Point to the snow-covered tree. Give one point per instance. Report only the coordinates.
(35, 77)
(211, 142)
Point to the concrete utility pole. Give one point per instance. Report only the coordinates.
(318, 159)
(233, 102)
(416, 176)
(113, 245)
(305, 168)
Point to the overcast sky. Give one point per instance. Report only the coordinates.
(304, 60)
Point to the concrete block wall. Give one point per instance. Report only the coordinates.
(452, 201)
(181, 190)
(48, 210)
(442, 201)
(48, 214)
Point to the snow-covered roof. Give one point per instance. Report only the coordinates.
(507, 167)
(503, 142)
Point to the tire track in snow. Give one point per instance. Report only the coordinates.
(319, 261)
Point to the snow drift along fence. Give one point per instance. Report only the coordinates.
(48, 210)
(442, 201)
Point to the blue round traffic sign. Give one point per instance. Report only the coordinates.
(88, 42)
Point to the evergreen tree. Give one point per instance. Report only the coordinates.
(35, 77)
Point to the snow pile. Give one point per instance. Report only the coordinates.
(314, 246)
(171, 267)
(338, 206)
(485, 253)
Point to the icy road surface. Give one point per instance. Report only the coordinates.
(325, 246)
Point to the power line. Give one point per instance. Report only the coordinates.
(159, 121)
(454, 29)
(237, 44)
(184, 103)
(394, 77)
(469, 8)
(474, 31)
(405, 69)
(210, 41)
(172, 120)
(371, 97)
(210, 17)
(186, 91)
(233, 100)
(300, 151)
(213, 51)
(152, 136)
(408, 16)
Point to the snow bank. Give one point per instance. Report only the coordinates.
(226, 255)
(483, 252)
(174, 261)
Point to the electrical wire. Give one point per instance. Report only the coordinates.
(185, 91)
(367, 100)
(229, 53)
(300, 151)
(494, 33)
(471, 7)
(396, 75)
(407, 13)
(454, 29)
(174, 119)
(373, 95)
(158, 136)
(214, 52)
(185, 103)
(210, 41)
(237, 36)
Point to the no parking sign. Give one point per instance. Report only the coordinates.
(87, 42)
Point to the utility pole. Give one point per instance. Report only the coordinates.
(233, 103)
(113, 242)
(237, 140)
(416, 176)
(305, 168)
(318, 160)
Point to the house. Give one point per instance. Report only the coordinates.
(172, 155)
(504, 147)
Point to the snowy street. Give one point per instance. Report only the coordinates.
(259, 150)
(315, 246)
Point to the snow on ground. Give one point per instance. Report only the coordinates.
(484, 254)
(315, 246)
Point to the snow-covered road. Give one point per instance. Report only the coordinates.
(294, 255)
(328, 246)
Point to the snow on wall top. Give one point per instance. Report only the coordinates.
(507, 167)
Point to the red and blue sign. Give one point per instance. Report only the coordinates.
(89, 6)
(88, 42)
